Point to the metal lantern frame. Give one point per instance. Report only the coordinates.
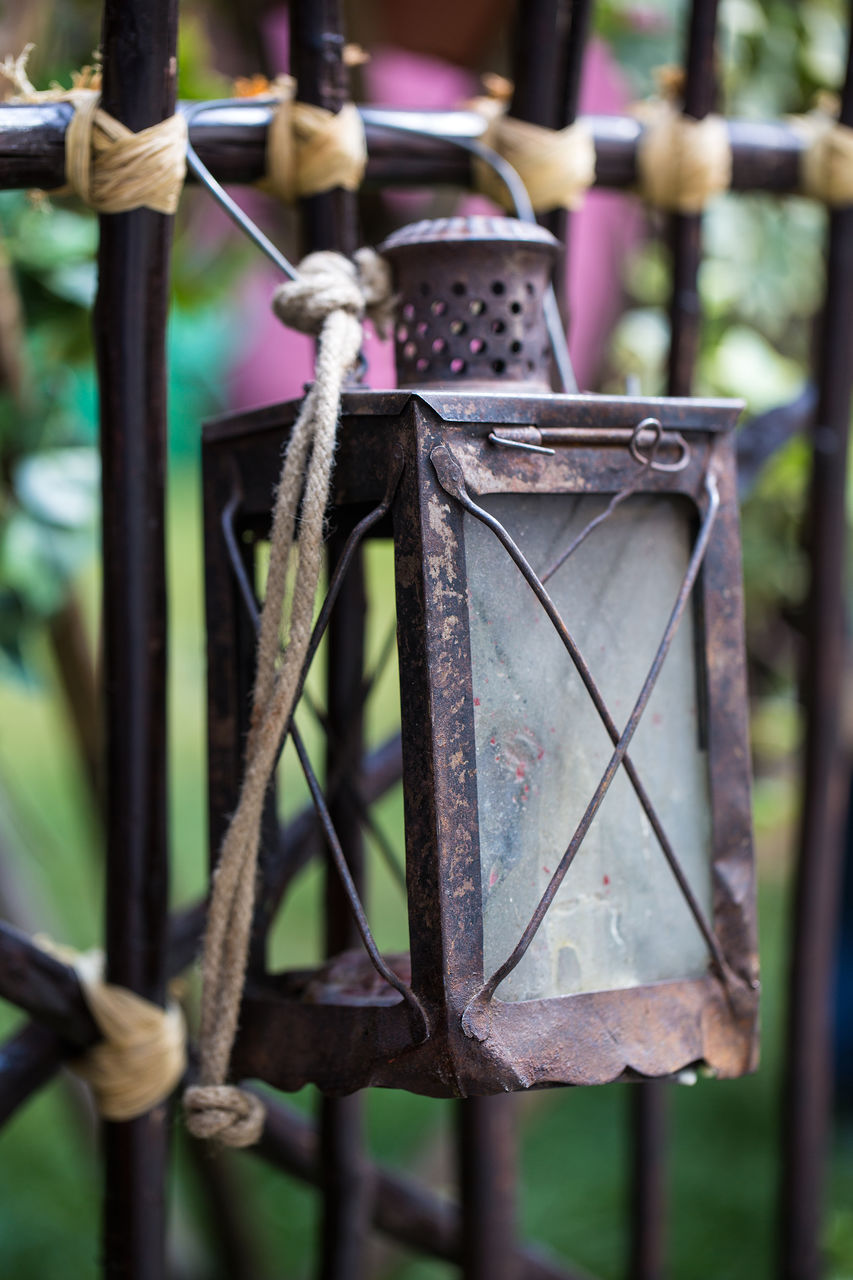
(408, 464)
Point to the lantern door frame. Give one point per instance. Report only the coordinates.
(647, 1031)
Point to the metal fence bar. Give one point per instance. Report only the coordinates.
(808, 1061)
(231, 142)
(648, 1103)
(488, 1173)
(139, 64)
(330, 222)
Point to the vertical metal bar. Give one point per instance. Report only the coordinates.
(485, 1126)
(550, 39)
(487, 1167)
(347, 1190)
(686, 230)
(139, 59)
(330, 222)
(808, 1082)
(648, 1102)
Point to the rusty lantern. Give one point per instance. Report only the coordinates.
(579, 861)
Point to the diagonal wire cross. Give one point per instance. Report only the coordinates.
(318, 799)
(452, 480)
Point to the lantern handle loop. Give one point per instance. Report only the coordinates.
(650, 459)
(505, 171)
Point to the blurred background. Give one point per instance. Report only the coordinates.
(761, 283)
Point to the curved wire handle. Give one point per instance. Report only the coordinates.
(509, 176)
(221, 196)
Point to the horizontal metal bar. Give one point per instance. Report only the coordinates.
(231, 142)
(409, 1213)
(402, 1209)
(43, 987)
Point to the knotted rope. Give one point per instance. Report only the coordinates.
(681, 162)
(826, 168)
(329, 299)
(142, 1056)
(310, 149)
(557, 166)
(111, 168)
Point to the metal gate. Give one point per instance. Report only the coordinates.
(145, 945)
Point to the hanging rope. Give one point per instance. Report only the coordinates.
(681, 162)
(557, 166)
(826, 167)
(329, 300)
(111, 168)
(142, 1056)
(310, 149)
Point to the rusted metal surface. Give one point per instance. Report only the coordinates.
(470, 309)
(541, 1041)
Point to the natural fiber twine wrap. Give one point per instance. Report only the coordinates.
(114, 170)
(557, 166)
(682, 163)
(310, 149)
(826, 168)
(143, 1054)
(111, 168)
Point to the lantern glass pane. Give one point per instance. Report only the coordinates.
(619, 919)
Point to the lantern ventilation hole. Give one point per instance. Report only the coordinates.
(476, 345)
(459, 288)
(499, 366)
(498, 326)
(498, 287)
(438, 307)
(457, 326)
(457, 365)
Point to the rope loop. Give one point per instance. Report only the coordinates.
(222, 1111)
(328, 282)
(329, 298)
(682, 163)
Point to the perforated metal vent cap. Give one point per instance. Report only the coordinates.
(470, 311)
